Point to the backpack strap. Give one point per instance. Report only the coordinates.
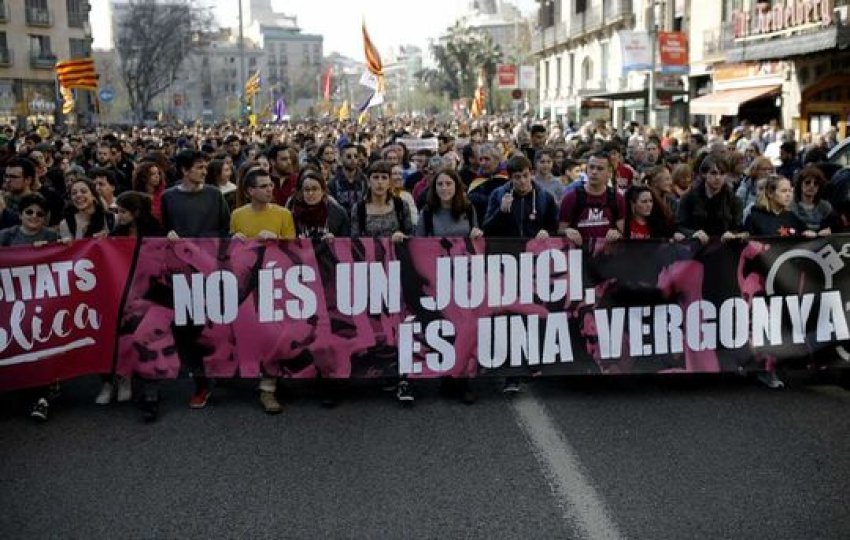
(581, 202)
(612, 204)
(428, 218)
(361, 216)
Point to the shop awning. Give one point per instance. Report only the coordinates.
(727, 102)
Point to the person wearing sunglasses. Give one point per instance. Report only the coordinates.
(33, 231)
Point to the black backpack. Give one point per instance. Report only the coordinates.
(581, 204)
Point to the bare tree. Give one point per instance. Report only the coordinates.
(154, 38)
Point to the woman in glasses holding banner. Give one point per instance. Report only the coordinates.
(33, 231)
(319, 217)
(447, 213)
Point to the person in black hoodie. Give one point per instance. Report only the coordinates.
(772, 215)
(709, 208)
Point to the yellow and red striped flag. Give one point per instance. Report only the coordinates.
(77, 73)
(478, 105)
(67, 100)
(252, 85)
(373, 58)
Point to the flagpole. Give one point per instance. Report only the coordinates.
(242, 102)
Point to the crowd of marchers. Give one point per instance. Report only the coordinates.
(409, 176)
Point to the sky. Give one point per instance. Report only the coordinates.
(390, 22)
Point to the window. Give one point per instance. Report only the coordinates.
(79, 48)
(40, 45)
(572, 66)
(546, 75)
(558, 73)
(604, 65)
(587, 71)
(581, 6)
(78, 12)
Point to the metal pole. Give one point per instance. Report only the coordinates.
(242, 102)
(653, 43)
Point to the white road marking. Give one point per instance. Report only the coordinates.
(583, 507)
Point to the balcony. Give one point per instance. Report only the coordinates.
(42, 59)
(715, 42)
(7, 58)
(4, 10)
(39, 17)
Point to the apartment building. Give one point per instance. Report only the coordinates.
(579, 46)
(34, 35)
(772, 60)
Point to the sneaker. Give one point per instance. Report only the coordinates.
(404, 394)
(270, 403)
(770, 379)
(511, 387)
(200, 398)
(125, 390)
(150, 409)
(105, 395)
(39, 410)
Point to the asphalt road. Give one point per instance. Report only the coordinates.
(575, 458)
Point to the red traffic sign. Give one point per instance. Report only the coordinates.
(516, 94)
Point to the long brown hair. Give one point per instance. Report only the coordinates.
(460, 203)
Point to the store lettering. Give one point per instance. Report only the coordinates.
(779, 17)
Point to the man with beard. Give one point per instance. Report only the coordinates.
(233, 146)
(103, 160)
(122, 163)
(348, 186)
(283, 172)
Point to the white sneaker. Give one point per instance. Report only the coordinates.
(105, 395)
(770, 380)
(125, 390)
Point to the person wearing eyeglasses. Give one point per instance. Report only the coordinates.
(710, 209)
(33, 231)
(18, 180)
(260, 218)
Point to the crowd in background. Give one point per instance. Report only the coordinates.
(402, 177)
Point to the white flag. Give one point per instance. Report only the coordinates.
(369, 80)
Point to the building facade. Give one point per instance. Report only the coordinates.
(34, 35)
(780, 60)
(292, 63)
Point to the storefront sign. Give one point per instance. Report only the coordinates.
(637, 51)
(527, 77)
(782, 17)
(747, 71)
(673, 50)
(507, 76)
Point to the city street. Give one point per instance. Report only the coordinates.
(569, 458)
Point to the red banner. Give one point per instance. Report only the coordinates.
(59, 309)
(507, 76)
(673, 50)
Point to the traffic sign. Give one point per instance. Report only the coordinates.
(516, 94)
(106, 95)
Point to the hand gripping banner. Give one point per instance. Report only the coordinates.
(456, 307)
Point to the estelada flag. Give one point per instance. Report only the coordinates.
(373, 59)
(252, 85)
(77, 73)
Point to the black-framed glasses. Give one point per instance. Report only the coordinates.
(32, 212)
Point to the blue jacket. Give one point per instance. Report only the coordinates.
(529, 214)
